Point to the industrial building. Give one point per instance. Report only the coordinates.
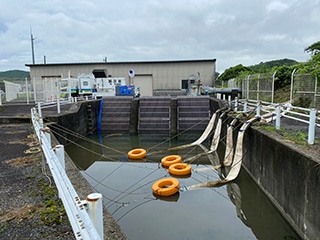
(152, 77)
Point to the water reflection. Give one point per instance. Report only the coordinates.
(236, 210)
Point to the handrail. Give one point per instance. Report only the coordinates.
(80, 221)
(283, 110)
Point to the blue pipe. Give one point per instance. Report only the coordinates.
(100, 115)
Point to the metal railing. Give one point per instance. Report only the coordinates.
(276, 111)
(85, 216)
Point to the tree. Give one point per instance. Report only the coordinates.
(313, 49)
(233, 72)
(283, 76)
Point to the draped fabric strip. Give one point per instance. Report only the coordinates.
(236, 164)
(204, 135)
(229, 145)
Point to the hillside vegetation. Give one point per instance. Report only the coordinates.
(263, 67)
(282, 67)
(14, 75)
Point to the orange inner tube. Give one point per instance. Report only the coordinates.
(171, 159)
(180, 169)
(137, 153)
(166, 187)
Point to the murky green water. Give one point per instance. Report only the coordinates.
(238, 210)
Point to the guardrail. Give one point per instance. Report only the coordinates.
(304, 115)
(85, 216)
(58, 103)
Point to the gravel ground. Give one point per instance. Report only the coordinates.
(29, 206)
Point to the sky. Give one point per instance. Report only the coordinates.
(233, 32)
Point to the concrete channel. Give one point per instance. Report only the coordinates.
(287, 173)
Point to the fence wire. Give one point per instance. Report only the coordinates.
(304, 91)
(36, 90)
(258, 87)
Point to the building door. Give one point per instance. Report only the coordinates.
(145, 83)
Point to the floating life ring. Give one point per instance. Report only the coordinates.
(180, 169)
(32, 150)
(166, 187)
(137, 153)
(171, 159)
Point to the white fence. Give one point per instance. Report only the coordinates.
(271, 111)
(85, 216)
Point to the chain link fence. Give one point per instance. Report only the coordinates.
(258, 87)
(304, 89)
(36, 90)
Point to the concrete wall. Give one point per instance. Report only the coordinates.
(288, 175)
(74, 119)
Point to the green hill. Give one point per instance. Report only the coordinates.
(263, 66)
(14, 75)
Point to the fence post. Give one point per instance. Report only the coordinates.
(236, 104)
(46, 132)
(291, 85)
(312, 126)
(27, 90)
(34, 89)
(258, 109)
(95, 211)
(58, 105)
(59, 151)
(272, 91)
(245, 106)
(278, 115)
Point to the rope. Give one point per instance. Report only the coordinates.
(173, 137)
(77, 135)
(87, 149)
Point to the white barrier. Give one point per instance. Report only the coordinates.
(76, 209)
(283, 110)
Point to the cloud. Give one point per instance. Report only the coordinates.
(231, 31)
(277, 6)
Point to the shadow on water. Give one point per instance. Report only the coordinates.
(236, 210)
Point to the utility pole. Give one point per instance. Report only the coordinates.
(32, 46)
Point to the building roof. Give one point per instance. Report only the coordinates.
(125, 62)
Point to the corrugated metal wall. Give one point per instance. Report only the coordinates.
(165, 75)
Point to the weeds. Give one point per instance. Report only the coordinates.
(297, 137)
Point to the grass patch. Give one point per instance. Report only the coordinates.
(297, 137)
(52, 213)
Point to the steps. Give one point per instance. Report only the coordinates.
(154, 114)
(116, 113)
(158, 115)
(193, 113)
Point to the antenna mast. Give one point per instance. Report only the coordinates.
(32, 46)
